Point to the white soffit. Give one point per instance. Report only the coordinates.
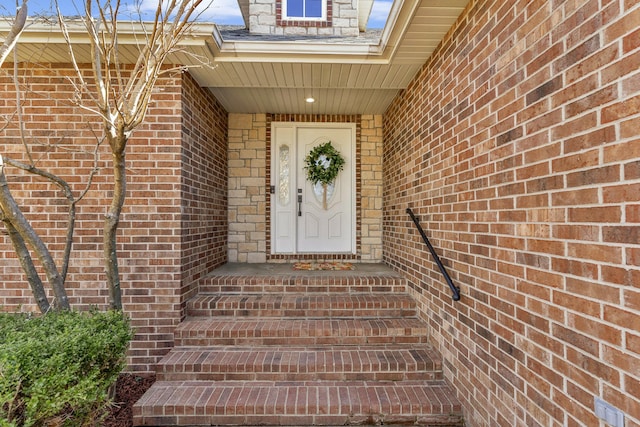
(256, 75)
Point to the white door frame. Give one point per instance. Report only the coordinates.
(284, 217)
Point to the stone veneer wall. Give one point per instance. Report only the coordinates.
(249, 166)
(265, 17)
(518, 145)
(247, 187)
(371, 187)
(161, 248)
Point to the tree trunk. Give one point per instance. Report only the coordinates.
(72, 205)
(20, 225)
(29, 268)
(111, 223)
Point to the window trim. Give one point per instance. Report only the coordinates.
(322, 17)
(283, 21)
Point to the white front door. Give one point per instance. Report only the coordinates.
(301, 222)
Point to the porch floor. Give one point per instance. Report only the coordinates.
(281, 277)
(286, 269)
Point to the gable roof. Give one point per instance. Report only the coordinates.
(275, 74)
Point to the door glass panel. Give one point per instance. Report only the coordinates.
(318, 191)
(284, 175)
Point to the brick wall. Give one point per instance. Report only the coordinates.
(204, 185)
(155, 270)
(517, 145)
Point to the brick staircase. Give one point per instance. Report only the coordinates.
(269, 346)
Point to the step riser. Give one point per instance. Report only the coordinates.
(419, 362)
(309, 341)
(297, 288)
(277, 332)
(309, 313)
(269, 306)
(303, 284)
(296, 376)
(303, 420)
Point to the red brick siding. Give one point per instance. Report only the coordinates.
(150, 236)
(204, 185)
(517, 145)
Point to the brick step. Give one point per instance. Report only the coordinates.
(266, 279)
(337, 363)
(200, 403)
(266, 345)
(229, 331)
(296, 305)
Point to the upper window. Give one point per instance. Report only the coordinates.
(304, 9)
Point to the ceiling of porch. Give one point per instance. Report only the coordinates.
(362, 76)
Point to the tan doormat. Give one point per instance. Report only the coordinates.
(331, 265)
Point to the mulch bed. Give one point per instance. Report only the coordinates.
(129, 389)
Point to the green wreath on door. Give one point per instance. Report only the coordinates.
(323, 164)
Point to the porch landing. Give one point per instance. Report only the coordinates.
(264, 344)
(286, 269)
(273, 278)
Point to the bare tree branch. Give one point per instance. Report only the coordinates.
(13, 35)
(11, 213)
(20, 232)
(119, 93)
(19, 106)
(122, 94)
(71, 199)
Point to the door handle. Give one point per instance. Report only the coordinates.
(299, 204)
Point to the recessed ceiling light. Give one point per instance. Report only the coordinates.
(310, 100)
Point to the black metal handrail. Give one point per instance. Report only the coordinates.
(454, 289)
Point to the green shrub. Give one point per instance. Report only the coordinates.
(57, 369)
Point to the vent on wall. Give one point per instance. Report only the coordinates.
(608, 413)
